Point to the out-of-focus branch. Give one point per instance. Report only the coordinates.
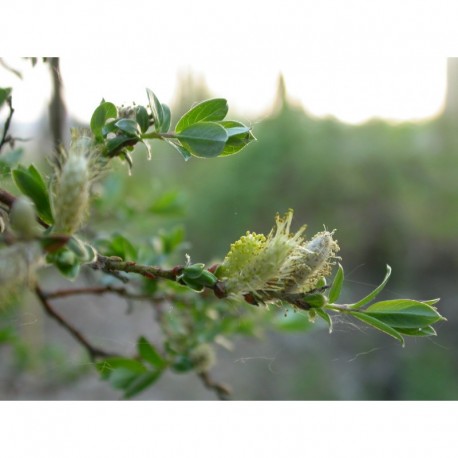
(57, 111)
(222, 391)
(96, 290)
(94, 352)
(6, 198)
(5, 137)
(10, 69)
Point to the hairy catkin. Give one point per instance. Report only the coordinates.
(71, 196)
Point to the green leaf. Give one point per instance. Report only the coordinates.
(404, 313)
(156, 110)
(374, 293)
(66, 261)
(118, 245)
(150, 354)
(141, 115)
(168, 203)
(315, 300)
(431, 301)
(427, 331)
(183, 364)
(167, 118)
(32, 184)
(326, 317)
(380, 325)
(205, 139)
(108, 365)
(7, 335)
(109, 127)
(336, 287)
(102, 113)
(114, 145)
(172, 239)
(140, 382)
(239, 136)
(5, 92)
(208, 110)
(193, 271)
(184, 152)
(128, 126)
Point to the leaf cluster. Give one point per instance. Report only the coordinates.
(201, 132)
(397, 317)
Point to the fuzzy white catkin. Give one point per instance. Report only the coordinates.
(18, 264)
(23, 218)
(71, 198)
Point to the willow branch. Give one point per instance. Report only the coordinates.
(222, 391)
(6, 198)
(57, 111)
(114, 264)
(96, 290)
(94, 352)
(5, 137)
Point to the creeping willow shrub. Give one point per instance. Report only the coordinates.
(282, 267)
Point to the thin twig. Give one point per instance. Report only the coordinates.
(96, 290)
(113, 264)
(10, 69)
(6, 198)
(94, 352)
(222, 391)
(5, 137)
(57, 111)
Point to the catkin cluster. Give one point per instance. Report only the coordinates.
(281, 263)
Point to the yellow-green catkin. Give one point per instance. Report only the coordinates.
(18, 264)
(279, 264)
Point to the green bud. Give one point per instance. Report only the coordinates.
(193, 284)
(316, 300)
(23, 218)
(67, 258)
(206, 278)
(194, 270)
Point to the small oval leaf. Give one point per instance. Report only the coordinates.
(156, 110)
(102, 113)
(208, 110)
(205, 139)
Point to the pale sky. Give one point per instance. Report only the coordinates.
(354, 60)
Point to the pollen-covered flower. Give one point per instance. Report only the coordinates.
(273, 268)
